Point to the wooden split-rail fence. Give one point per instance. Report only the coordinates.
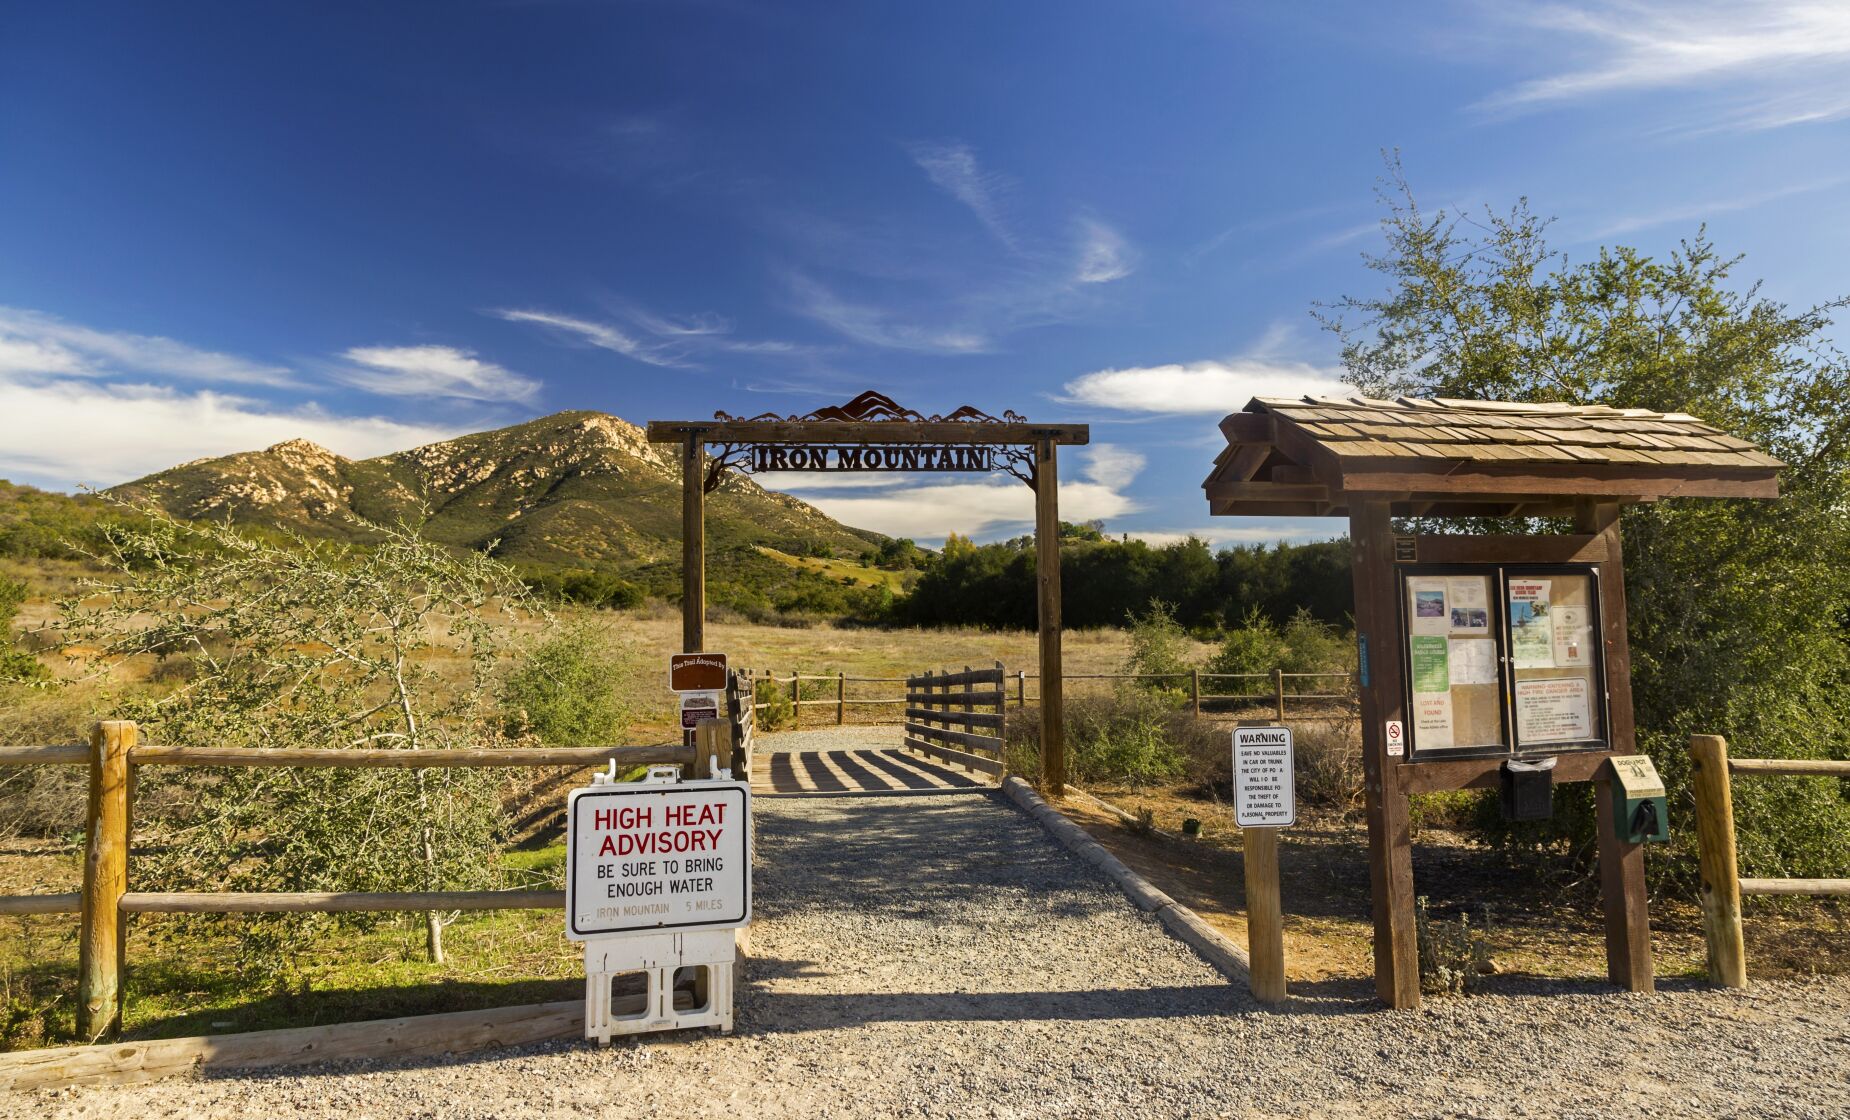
(1277, 693)
(115, 753)
(1722, 885)
(958, 718)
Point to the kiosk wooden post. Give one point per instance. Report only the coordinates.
(1429, 606)
(1265, 914)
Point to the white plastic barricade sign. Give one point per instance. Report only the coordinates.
(644, 856)
(1264, 790)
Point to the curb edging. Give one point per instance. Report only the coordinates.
(1186, 926)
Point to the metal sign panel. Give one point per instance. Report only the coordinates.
(871, 457)
(696, 706)
(696, 672)
(1264, 789)
(672, 856)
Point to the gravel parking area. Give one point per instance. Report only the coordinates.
(940, 956)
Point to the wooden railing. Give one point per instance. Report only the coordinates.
(942, 719)
(1276, 695)
(1722, 885)
(115, 752)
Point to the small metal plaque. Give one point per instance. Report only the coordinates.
(1406, 549)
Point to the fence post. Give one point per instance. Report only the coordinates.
(841, 698)
(99, 976)
(1194, 690)
(1021, 688)
(1717, 865)
(1265, 917)
(1278, 693)
(796, 699)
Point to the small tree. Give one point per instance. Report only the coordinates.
(1159, 648)
(565, 690)
(299, 643)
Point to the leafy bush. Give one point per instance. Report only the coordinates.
(15, 664)
(772, 705)
(565, 689)
(1159, 648)
(1128, 736)
(1454, 958)
(592, 588)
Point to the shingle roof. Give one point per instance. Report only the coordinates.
(1305, 455)
(1495, 430)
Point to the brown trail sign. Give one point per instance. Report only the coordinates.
(1480, 651)
(872, 432)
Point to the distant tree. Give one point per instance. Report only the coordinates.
(1738, 609)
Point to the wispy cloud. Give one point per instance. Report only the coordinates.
(35, 343)
(1765, 63)
(1702, 211)
(604, 336)
(877, 326)
(1104, 255)
(1292, 530)
(433, 371)
(953, 168)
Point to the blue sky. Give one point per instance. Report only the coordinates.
(379, 225)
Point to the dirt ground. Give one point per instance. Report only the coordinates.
(1540, 921)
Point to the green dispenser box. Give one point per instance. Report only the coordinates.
(1640, 813)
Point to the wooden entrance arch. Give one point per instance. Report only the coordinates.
(874, 433)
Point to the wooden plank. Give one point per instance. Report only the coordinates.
(417, 1036)
(875, 432)
(99, 945)
(956, 738)
(1619, 479)
(410, 760)
(1576, 548)
(961, 758)
(12, 904)
(1249, 427)
(68, 754)
(1267, 491)
(933, 699)
(1434, 774)
(1622, 887)
(966, 719)
(334, 902)
(693, 544)
(1719, 871)
(1265, 916)
(1390, 838)
(1796, 886)
(1793, 767)
(952, 680)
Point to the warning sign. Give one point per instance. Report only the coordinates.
(1264, 792)
(696, 672)
(643, 856)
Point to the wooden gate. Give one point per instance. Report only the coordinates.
(943, 720)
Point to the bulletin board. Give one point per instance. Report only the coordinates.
(1502, 660)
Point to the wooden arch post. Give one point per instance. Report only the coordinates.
(1047, 582)
(693, 543)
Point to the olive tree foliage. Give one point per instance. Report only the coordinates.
(294, 643)
(1738, 609)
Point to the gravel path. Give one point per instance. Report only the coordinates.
(940, 956)
(845, 738)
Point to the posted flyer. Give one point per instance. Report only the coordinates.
(1532, 640)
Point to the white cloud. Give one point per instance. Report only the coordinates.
(1217, 387)
(1702, 211)
(434, 371)
(1778, 62)
(35, 343)
(953, 168)
(68, 432)
(1104, 255)
(993, 506)
(878, 327)
(601, 335)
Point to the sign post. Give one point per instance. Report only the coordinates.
(658, 876)
(1264, 800)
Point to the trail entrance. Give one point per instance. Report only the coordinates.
(874, 433)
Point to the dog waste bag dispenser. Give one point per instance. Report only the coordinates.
(1640, 812)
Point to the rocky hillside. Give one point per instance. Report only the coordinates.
(575, 489)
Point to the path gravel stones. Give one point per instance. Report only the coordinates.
(940, 956)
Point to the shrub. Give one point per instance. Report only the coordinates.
(1329, 764)
(1255, 646)
(1159, 646)
(565, 689)
(1130, 736)
(15, 664)
(1454, 958)
(772, 703)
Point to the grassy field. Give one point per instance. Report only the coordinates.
(842, 571)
